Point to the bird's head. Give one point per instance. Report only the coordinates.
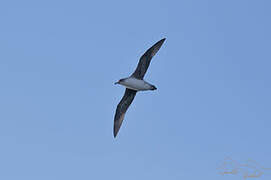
(120, 81)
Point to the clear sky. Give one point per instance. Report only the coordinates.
(58, 64)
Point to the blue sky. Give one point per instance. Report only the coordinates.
(59, 60)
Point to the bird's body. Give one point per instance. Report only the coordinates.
(135, 83)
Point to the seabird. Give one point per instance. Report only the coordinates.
(135, 83)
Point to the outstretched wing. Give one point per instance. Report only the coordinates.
(122, 107)
(145, 60)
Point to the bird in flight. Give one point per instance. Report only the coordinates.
(135, 83)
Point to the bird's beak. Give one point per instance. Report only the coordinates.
(116, 83)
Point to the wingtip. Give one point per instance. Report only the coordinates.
(162, 40)
(115, 131)
(159, 43)
(115, 134)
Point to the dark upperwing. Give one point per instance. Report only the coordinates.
(122, 107)
(145, 60)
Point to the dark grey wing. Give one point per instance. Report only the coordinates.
(122, 107)
(145, 60)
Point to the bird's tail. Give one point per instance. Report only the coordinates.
(153, 87)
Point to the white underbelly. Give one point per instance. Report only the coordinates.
(136, 84)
